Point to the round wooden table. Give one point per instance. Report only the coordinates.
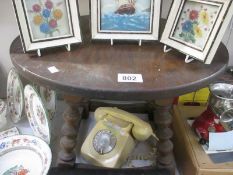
(91, 69)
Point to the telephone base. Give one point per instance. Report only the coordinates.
(117, 156)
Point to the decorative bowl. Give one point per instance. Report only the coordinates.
(24, 155)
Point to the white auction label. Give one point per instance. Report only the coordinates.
(130, 78)
(53, 69)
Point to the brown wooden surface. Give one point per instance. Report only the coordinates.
(190, 156)
(163, 120)
(91, 69)
(72, 118)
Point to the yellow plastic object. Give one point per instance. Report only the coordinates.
(141, 130)
(201, 96)
(112, 139)
(115, 158)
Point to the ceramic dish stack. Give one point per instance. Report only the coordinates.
(36, 113)
(15, 98)
(18, 151)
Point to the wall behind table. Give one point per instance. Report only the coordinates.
(9, 30)
(228, 41)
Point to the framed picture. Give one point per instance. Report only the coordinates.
(125, 19)
(47, 23)
(196, 27)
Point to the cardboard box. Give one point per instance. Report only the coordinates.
(190, 156)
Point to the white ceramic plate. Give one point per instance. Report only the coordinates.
(14, 96)
(36, 113)
(10, 132)
(48, 97)
(3, 110)
(24, 155)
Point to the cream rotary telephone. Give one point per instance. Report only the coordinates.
(112, 139)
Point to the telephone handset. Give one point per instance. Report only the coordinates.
(110, 141)
(141, 130)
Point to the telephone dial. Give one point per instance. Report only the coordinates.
(112, 139)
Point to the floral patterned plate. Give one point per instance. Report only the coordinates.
(24, 155)
(36, 113)
(15, 96)
(3, 110)
(10, 132)
(48, 97)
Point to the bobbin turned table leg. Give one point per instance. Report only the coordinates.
(162, 120)
(72, 117)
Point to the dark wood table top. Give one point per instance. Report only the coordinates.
(91, 69)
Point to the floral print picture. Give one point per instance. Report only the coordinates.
(48, 19)
(196, 22)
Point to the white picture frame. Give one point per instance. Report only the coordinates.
(47, 23)
(101, 28)
(209, 20)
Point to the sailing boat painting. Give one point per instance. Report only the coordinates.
(132, 16)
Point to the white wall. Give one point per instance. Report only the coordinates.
(84, 7)
(228, 41)
(9, 30)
